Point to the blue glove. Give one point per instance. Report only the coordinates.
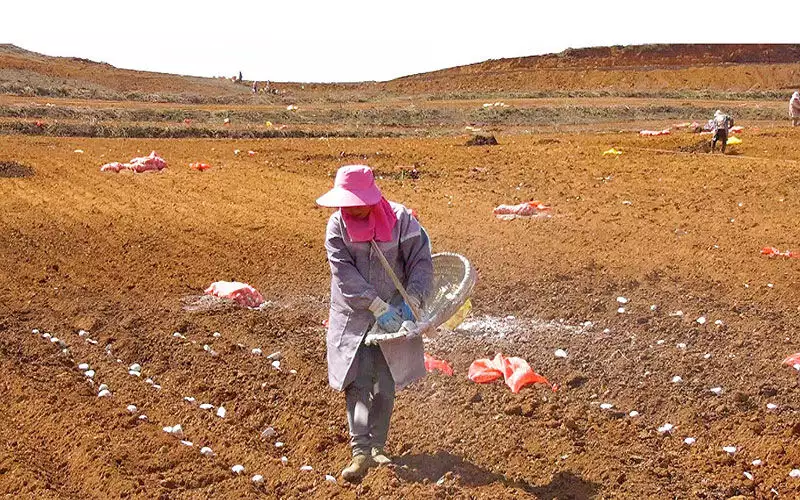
(388, 316)
(390, 321)
(405, 309)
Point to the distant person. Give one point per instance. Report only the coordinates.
(794, 108)
(240, 77)
(722, 123)
(255, 87)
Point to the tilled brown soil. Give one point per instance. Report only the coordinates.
(116, 255)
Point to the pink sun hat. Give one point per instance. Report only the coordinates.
(354, 187)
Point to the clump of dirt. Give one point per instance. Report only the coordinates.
(12, 169)
(703, 146)
(482, 140)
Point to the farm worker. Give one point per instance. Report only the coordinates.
(362, 294)
(794, 108)
(722, 123)
(255, 86)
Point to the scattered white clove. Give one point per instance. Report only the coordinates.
(677, 379)
(89, 373)
(143, 417)
(757, 462)
(707, 355)
(666, 429)
(257, 479)
(772, 406)
(237, 469)
(206, 406)
(689, 441)
(205, 450)
(606, 406)
(83, 367)
(189, 399)
(306, 468)
(681, 346)
(621, 310)
(104, 393)
(701, 320)
(278, 444)
(275, 355)
(730, 450)
(653, 307)
(276, 364)
(102, 387)
(560, 353)
(186, 443)
(716, 390)
(221, 412)
(748, 475)
(622, 300)
(216, 335)
(284, 460)
(330, 478)
(132, 408)
(633, 414)
(134, 373)
(257, 351)
(794, 473)
(268, 433)
(136, 367)
(677, 313)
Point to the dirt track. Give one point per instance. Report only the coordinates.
(115, 254)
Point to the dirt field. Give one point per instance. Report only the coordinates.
(118, 254)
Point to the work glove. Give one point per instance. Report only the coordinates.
(388, 317)
(405, 309)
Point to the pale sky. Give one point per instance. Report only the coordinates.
(355, 40)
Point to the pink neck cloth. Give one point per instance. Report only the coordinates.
(378, 225)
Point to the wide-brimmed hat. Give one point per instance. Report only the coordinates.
(354, 187)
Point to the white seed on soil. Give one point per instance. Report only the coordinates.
(621, 310)
(82, 333)
(653, 307)
(560, 353)
(716, 390)
(156, 387)
(622, 300)
(206, 406)
(149, 381)
(142, 417)
(748, 475)
(206, 347)
(134, 373)
(677, 379)
(91, 341)
(677, 313)
(757, 462)
(175, 430)
(794, 473)
(189, 399)
(770, 285)
(606, 406)
(132, 408)
(178, 335)
(330, 478)
(294, 372)
(186, 443)
(237, 469)
(89, 373)
(83, 367)
(633, 414)
(136, 367)
(216, 335)
(718, 322)
(666, 428)
(268, 433)
(701, 320)
(772, 406)
(35, 331)
(46, 335)
(102, 387)
(257, 479)
(275, 355)
(276, 364)
(278, 444)
(689, 441)
(54, 340)
(681, 346)
(221, 412)
(257, 351)
(306, 468)
(284, 460)
(707, 355)
(660, 341)
(205, 450)
(730, 450)
(104, 393)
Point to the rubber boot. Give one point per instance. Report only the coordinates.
(358, 468)
(380, 457)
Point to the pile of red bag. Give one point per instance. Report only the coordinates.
(654, 132)
(241, 293)
(527, 209)
(516, 372)
(774, 252)
(151, 163)
(202, 167)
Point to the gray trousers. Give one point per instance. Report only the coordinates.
(370, 400)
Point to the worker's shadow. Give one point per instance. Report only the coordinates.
(419, 468)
